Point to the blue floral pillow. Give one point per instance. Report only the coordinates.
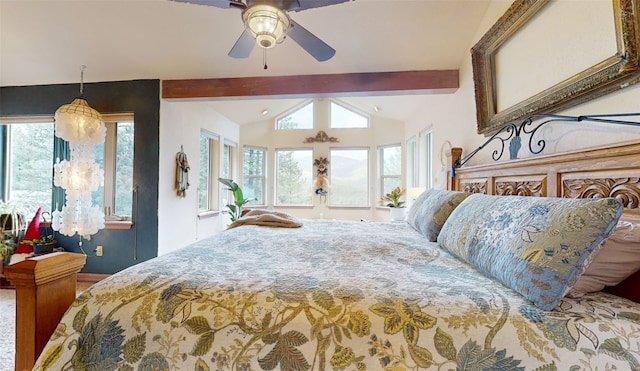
(536, 246)
(430, 211)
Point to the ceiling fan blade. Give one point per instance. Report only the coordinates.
(298, 5)
(243, 46)
(310, 42)
(216, 3)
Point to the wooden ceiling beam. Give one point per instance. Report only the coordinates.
(348, 84)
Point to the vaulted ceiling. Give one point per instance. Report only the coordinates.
(46, 42)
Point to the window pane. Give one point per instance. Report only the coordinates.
(343, 118)
(31, 165)
(349, 173)
(203, 178)
(124, 169)
(97, 197)
(293, 177)
(299, 119)
(253, 175)
(391, 168)
(411, 164)
(226, 162)
(392, 161)
(389, 184)
(426, 155)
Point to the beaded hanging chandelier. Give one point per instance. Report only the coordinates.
(82, 127)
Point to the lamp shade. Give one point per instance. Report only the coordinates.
(78, 176)
(268, 24)
(77, 122)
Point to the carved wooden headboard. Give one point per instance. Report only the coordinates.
(602, 172)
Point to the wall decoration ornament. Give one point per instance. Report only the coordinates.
(182, 173)
(321, 183)
(321, 137)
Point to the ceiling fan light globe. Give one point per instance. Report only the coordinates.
(265, 40)
(267, 24)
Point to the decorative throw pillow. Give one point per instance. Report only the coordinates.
(536, 246)
(618, 259)
(430, 210)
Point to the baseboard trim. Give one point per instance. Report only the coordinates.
(91, 277)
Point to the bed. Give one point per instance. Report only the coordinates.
(356, 295)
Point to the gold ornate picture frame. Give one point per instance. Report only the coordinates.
(613, 73)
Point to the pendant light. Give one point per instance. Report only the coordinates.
(82, 127)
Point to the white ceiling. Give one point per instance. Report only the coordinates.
(46, 42)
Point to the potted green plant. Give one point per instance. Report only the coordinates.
(235, 208)
(12, 224)
(393, 202)
(42, 245)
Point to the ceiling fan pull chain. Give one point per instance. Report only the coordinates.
(264, 58)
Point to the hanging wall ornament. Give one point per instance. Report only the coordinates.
(321, 183)
(182, 173)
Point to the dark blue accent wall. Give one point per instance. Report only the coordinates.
(122, 248)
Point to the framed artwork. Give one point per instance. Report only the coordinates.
(614, 72)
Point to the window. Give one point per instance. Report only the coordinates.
(28, 148)
(411, 163)
(301, 118)
(293, 177)
(208, 177)
(390, 168)
(344, 118)
(349, 177)
(30, 162)
(115, 156)
(253, 179)
(426, 154)
(228, 155)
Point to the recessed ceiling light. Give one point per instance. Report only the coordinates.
(376, 108)
(264, 112)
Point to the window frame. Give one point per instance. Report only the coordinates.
(351, 109)
(109, 177)
(228, 160)
(411, 162)
(382, 176)
(262, 176)
(213, 161)
(276, 172)
(297, 108)
(425, 150)
(109, 165)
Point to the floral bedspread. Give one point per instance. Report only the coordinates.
(331, 296)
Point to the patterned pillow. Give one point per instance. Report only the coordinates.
(431, 209)
(536, 246)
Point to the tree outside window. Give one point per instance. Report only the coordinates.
(253, 165)
(293, 177)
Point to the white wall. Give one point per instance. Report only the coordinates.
(453, 117)
(180, 125)
(381, 131)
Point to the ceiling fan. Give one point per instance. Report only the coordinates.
(267, 24)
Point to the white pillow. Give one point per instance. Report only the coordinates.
(618, 259)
